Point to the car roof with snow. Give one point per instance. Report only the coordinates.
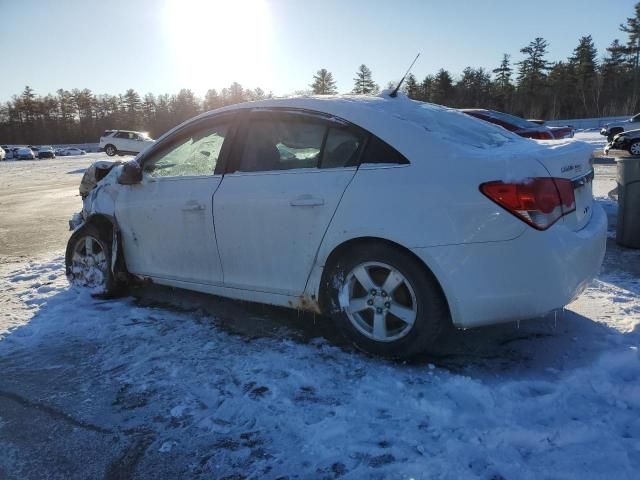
(396, 120)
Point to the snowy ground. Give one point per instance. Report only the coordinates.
(592, 137)
(208, 388)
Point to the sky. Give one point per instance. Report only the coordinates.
(161, 46)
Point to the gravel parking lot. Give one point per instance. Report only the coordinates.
(170, 384)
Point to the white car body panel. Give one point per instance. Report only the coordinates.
(186, 249)
(492, 266)
(265, 220)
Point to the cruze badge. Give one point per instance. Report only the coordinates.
(568, 168)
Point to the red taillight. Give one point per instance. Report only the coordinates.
(540, 202)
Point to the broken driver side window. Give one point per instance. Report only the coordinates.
(193, 156)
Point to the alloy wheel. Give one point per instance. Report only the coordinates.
(89, 263)
(379, 301)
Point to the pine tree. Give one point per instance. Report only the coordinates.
(632, 51)
(426, 88)
(502, 86)
(212, 100)
(28, 103)
(532, 77)
(503, 73)
(323, 83)
(583, 62)
(411, 87)
(442, 91)
(363, 83)
(533, 69)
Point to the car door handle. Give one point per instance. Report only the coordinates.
(306, 201)
(193, 206)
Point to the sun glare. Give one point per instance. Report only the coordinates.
(214, 43)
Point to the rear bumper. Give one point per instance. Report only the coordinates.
(528, 277)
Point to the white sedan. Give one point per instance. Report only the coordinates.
(73, 151)
(393, 216)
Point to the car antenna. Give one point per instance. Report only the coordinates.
(395, 90)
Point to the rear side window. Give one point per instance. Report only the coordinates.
(378, 151)
(341, 148)
(285, 144)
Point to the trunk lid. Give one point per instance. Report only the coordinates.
(572, 160)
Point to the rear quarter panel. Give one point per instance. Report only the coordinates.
(433, 201)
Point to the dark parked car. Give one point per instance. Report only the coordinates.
(46, 152)
(629, 141)
(520, 126)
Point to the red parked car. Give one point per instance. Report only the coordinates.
(520, 126)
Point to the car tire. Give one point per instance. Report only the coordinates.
(110, 150)
(88, 262)
(634, 148)
(399, 323)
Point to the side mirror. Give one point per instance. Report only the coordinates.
(131, 173)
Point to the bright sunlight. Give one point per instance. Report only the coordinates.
(217, 42)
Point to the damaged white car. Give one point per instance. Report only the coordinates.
(393, 216)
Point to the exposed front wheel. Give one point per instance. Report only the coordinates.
(110, 150)
(386, 302)
(88, 261)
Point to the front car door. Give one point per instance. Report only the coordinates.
(285, 179)
(166, 221)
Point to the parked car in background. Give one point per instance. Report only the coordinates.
(24, 153)
(34, 149)
(124, 142)
(46, 152)
(3, 154)
(73, 151)
(518, 125)
(564, 131)
(629, 141)
(611, 129)
(395, 217)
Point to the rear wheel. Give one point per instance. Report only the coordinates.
(88, 261)
(385, 301)
(634, 148)
(110, 150)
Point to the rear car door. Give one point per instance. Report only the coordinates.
(166, 221)
(285, 180)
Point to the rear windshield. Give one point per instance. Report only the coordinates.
(462, 128)
(512, 119)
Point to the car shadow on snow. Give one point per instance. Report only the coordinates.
(171, 383)
(560, 340)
